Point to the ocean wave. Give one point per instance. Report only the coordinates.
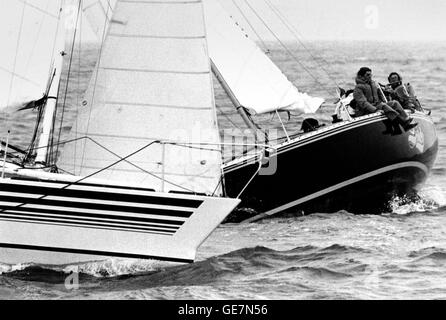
(114, 267)
(431, 253)
(226, 267)
(318, 272)
(38, 273)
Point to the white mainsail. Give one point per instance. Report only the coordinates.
(257, 83)
(152, 82)
(28, 32)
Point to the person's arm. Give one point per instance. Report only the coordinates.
(361, 100)
(402, 93)
(404, 97)
(381, 96)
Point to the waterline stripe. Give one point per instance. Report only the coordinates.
(338, 186)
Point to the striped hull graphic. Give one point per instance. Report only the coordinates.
(87, 206)
(312, 168)
(88, 219)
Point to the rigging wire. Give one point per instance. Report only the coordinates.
(22, 18)
(79, 66)
(266, 49)
(95, 73)
(31, 148)
(296, 34)
(288, 50)
(36, 41)
(66, 86)
(42, 108)
(127, 161)
(226, 115)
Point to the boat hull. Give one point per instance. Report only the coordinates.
(357, 166)
(59, 222)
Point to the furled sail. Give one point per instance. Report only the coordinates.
(28, 32)
(152, 83)
(256, 82)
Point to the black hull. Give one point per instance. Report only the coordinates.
(356, 166)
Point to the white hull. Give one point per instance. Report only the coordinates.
(56, 222)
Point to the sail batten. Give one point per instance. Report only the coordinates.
(157, 71)
(198, 108)
(154, 36)
(136, 72)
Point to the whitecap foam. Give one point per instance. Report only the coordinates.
(435, 193)
(404, 205)
(113, 267)
(6, 268)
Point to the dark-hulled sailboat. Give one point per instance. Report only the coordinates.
(356, 164)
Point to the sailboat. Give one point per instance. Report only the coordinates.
(357, 164)
(354, 163)
(134, 179)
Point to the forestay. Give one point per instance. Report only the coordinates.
(28, 32)
(152, 82)
(256, 82)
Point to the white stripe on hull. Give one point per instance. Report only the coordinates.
(313, 136)
(339, 186)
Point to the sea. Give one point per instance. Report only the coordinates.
(400, 254)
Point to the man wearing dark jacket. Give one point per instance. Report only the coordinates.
(403, 93)
(370, 99)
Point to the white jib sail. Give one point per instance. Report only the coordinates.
(28, 32)
(257, 83)
(98, 13)
(152, 83)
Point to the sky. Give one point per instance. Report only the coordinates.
(366, 19)
(349, 19)
(341, 19)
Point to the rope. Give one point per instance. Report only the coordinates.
(289, 51)
(98, 64)
(250, 25)
(294, 32)
(229, 119)
(15, 62)
(129, 162)
(67, 82)
(38, 119)
(253, 176)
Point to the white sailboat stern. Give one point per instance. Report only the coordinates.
(58, 223)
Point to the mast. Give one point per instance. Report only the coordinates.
(50, 106)
(236, 103)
